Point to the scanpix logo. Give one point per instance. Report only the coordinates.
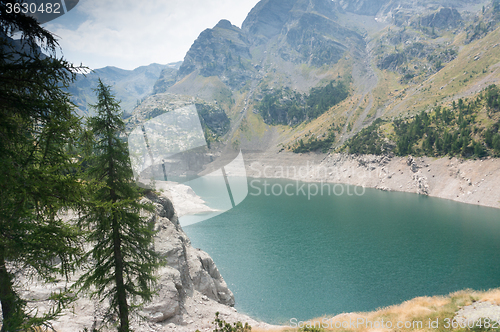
(172, 147)
(44, 11)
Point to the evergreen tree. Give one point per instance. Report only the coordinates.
(37, 177)
(123, 256)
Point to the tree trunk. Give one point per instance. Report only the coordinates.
(10, 305)
(120, 285)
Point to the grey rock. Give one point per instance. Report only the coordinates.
(444, 18)
(362, 7)
(469, 315)
(188, 269)
(167, 301)
(267, 19)
(189, 277)
(223, 51)
(166, 80)
(314, 36)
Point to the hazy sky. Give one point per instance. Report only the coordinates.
(128, 34)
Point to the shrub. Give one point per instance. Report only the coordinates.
(222, 326)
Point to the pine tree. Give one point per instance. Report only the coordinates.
(123, 257)
(37, 178)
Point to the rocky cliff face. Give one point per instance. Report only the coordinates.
(310, 34)
(362, 7)
(277, 36)
(389, 8)
(222, 51)
(313, 36)
(188, 270)
(444, 18)
(167, 78)
(267, 19)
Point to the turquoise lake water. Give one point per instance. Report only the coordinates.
(287, 256)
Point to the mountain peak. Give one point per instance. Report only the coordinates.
(267, 18)
(224, 24)
(216, 52)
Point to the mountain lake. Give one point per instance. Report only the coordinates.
(294, 255)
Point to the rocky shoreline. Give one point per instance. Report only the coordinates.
(466, 181)
(183, 198)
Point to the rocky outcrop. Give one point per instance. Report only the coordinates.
(188, 269)
(362, 7)
(267, 19)
(313, 35)
(393, 61)
(190, 289)
(166, 80)
(444, 18)
(222, 51)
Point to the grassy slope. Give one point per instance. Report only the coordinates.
(462, 77)
(420, 309)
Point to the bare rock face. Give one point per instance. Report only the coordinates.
(167, 302)
(166, 80)
(267, 19)
(188, 270)
(362, 7)
(445, 17)
(222, 51)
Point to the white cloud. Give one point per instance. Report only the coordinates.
(128, 34)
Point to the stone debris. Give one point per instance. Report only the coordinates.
(438, 177)
(478, 311)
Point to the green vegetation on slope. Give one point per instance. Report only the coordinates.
(469, 129)
(369, 140)
(314, 144)
(486, 23)
(288, 107)
(222, 326)
(214, 122)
